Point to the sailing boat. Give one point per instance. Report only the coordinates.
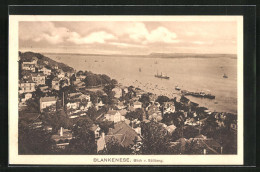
(225, 76)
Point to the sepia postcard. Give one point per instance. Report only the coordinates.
(125, 90)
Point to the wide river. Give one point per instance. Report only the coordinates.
(192, 74)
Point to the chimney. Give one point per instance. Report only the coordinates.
(204, 151)
(61, 131)
(110, 131)
(221, 149)
(103, 135)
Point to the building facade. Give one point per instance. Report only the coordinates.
(38, 78)
(46, 102)
(26, 87)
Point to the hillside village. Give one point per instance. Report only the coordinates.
(64, 111)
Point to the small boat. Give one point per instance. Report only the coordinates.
(225, 76)
(177, 88)
(140, 70)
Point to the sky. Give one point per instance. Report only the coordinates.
(131, 38)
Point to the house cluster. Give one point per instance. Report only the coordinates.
(77, 104)
(126, 130)
(35, 75)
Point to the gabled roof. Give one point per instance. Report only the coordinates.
(37, 74)
(124, 133)
(48, 99)
(120, 104)
(201, 136)
(123, 112)
(56, 79)
(168, 103)
(137, 103)
(112, 112)
(29, 80)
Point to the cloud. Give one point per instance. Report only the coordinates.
(95, 37)
(47, 31)
(190, 33)
(125, 45)
(139, 33)
(198, 42)
(42, 31)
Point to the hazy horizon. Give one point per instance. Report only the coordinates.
(82, 53)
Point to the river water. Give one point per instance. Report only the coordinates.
(192, 74)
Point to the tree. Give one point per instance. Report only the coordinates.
(92, 113)
(105, 79)
(105, 125)
(190, 132)
(155, 139)
(145, 99)
(56, 120)
(105, 99)
(84, 139)
(99, 93)
(49, 80)
(38, 93)
(168, 118)
(72, 79)
(210, 126)
(32, 105)
(137, 114)
(178, 121)
(229, 119)
(108, 88)
(93, 98)
(90, 80)
(80, 73)
(33, 141)
(113, 147)
(114, 82)
(227, 139)
(162, 99)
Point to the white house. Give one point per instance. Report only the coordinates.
(118, 92)
(38, 78)
(55, 83)
(27, 96)
(45, 71)
(74, 105)
(96, 130)
(61, 74)
(137, 105)
(115, 116)
(27, 86)
(46, 102)
(30, 65)
(168, 107)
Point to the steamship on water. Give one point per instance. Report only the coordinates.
(161, 76)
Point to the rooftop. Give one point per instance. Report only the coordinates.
(124, 133)
(48, 99)
(112, 112)
(37, 74)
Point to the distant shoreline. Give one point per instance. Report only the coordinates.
(152, 55)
